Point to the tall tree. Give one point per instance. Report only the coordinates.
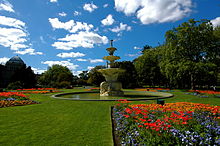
(56, 76)
(189, 50)
(147, 67)
(129, 77)
(95, 77)
(26, 76)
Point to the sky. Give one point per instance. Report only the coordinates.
(76, 33)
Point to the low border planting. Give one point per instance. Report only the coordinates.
(180, 123)
(14, 99)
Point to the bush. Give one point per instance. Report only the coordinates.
(63, 84)
(15, 85)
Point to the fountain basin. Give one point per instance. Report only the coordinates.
(128, 95)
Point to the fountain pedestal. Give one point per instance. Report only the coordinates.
(111, 87)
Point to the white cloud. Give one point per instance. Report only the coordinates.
(108, 20)
(82, 39)
(13, 38)
(90, 7)
(121, 27)
(96, 60)
(11, 22)
(6, 6)
(81, 59)
(137, 48)
(158, 11)
(68, 64)
(91, 60)
(76, 73)
(132, 55)
(56, 24)
(53, 1)
(90, 67)
(216, 22)
(4, 60)
(62, 14)
(29, 51)
(76, 13)
(70, 26)
(38, 71)
(71, 55)
(105, 5)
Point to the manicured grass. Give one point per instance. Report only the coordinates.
(64, 122)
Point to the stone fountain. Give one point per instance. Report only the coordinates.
(111, 87)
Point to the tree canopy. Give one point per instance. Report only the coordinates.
(57, 76)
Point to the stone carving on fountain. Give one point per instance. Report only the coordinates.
(111, 87)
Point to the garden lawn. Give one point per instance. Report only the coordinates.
(56, 122)
(65, 122)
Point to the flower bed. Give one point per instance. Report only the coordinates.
(38, 90)
(14, 99)
(171, 124)
(204, 91)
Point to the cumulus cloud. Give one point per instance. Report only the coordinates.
(90, 67)
(53, 1)
(91, 60)
(11, 22)
(71, 55)
(13, 35)
(81, 39)
(121, 27)
(70, 26)
(68, 64)
(90, 7)
(38, 71)
(6, 6)
(13, 38)
(4, 60)
(62, 14)
(96, 60)
(80, 35)
(216, 22)
(108, 20)
(158, 11)
(81, 59)
(76, 13)
(29, 51)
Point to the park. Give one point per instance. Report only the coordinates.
(161, 98)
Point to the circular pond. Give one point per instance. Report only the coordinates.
(128, 95)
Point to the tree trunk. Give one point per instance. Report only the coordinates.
(192, 81)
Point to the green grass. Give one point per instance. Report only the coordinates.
(64, 122)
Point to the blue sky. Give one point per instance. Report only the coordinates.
(75, 33)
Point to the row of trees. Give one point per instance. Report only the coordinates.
(188, 58)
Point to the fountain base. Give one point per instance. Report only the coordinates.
(111, 88)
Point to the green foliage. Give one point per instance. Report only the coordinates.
(129, 77)
(189, 53)
(95, 77)
(15, 85)
(148, 69)
(56, 76)
(25, 76)
(63, 84)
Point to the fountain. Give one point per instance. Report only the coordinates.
(111, 87)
